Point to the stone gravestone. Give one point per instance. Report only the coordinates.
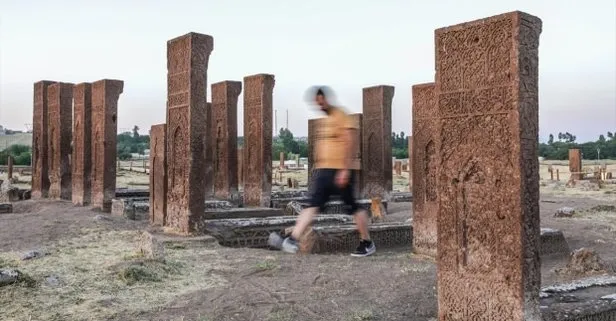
(281, 161)
(357, 118)
(158, 174)
(488, 182)
(398, 167)
(224, 138)
(9, 162)
(258, 92)
(575, 164)
(105, 95)
(82, 144)
(376, 142)
(60, 117)
(410, 166)
(313, 127)
(424, 170)
(187, 63)
(40, 137)
(209, 156)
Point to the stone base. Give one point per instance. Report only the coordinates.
(248, 212)
(553, 243)
(332, 207)
(399, 197)
(344, 238)
(123, 207)
(125, 193)
(590, 299)
(254, 232)
(6, 208)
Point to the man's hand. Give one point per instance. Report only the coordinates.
(342, 177)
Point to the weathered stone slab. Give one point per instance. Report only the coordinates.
(158, 174)
(425, 160)
(81, 158)
(123, 207)
(231, 213)
(488, 181)
(9, 174)
(240, 168)
(377, 178)
(580, 300)
(254, 232)
(401, 197)
(60, 110)
(553, 242)
(105, 95)
(128, 192)
(258, 95)
(40, 137)
(331, 207)
(344, 238)
(575, 164)
(187, 63)
(313, 125)
(6, 208)
(224, 138)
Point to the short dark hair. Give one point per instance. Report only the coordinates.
(320, 92)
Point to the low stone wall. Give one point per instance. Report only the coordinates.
(344, 238)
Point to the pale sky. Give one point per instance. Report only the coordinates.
(346, 44)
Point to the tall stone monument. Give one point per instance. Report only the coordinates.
(60, 116)
(82, 144)
(575, 164)
(40, 137)
(377, 176)
(424, 170)
(224, 138)
(105, 95)
(258, 95)
(158, 174)
(187, 63)
(209, 156)
(488, 180)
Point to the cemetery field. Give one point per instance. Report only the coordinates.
(91, 269)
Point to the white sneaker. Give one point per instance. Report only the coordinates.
(289, 246)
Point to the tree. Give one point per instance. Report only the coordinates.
(135, 131)
(551, 140)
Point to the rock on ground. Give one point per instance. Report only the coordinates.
(8, 276)
(564, 212)
(584, 261)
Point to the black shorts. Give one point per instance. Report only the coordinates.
(324, 186)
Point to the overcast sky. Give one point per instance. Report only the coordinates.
(346, 44)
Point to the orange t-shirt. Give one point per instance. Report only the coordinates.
(331, 148)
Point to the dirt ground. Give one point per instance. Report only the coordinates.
(92, 270)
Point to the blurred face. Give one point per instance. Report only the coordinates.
(320, 100)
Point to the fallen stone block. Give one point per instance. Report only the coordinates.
(243, 212)
(344, 238)
(553, 242)
(399, 197)
(6, 208)
(126, 192)
(9, 276)
(254, 232)
(579, 300)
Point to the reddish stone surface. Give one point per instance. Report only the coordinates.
(258, 92)
(410, 165)
(281, 161)
(376, 142)
(313, 125)
(575, 164)
(40, 137)
(60, 117)
(158, 174)
(82, 144)
(209, 156)
(488, 180)
(105, 95)
(224, 138)
(187, 63)
(424, 170)
(398, 167)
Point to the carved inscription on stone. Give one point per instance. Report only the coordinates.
(258, 94)
(376, 142)
(40, 137)
(187, 62)
(105, 95)
(82, 144)
(223, 141)
(425, 159)
(158, 174)
(60, 116)
(488, 178)
(575, 164)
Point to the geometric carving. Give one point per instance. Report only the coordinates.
(82, 144)
(158, 174)
(224, 138)
(60, 117)
(425, 201)
(376, 142)
(258, 92)
(105, 95)
(187, 62)
(575, 164)
(40, 137)
(488, 176)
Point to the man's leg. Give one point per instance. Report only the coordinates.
(361, 221)
(303, 221)
(366, 246)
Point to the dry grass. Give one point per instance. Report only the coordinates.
(99, 275)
